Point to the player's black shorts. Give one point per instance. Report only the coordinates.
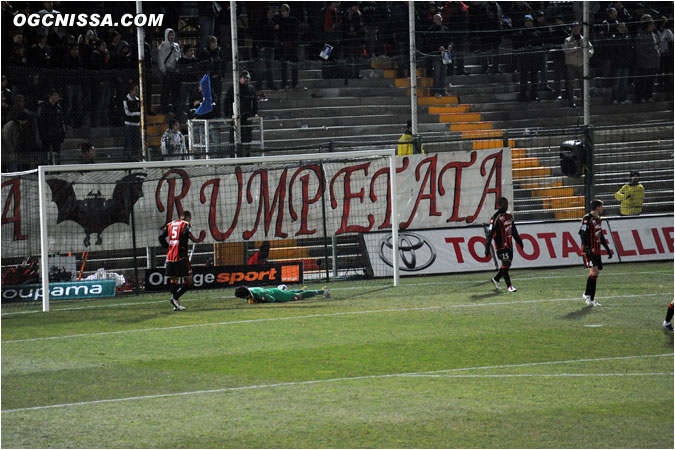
(591, 260)
(180, 268)
(505, 255)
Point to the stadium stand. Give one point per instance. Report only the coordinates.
(369, 102)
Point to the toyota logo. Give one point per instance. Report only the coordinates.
(412, 248)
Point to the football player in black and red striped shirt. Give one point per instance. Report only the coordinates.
(177, 262)
(503, 229)
(668, 323)
(591, 240)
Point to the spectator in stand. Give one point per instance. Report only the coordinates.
(17, 58)
(456, 19)
(622, 51)
(40, 55)
(369, 14)
(665, 38)
(87, 153)
(74, 97)
(604, 49)
(188, 72)
(173, 143)
(399, 27)
(352, 26)
(647, 58)
(631, 195)
(517, 12)
(436, 43)
(331, 27)
(248, 107)
(213, 58)
(36, 90)
(9, 45)
(558, 35)
(405, 142)
(574, 59)
(426, 12)
(101, 85)
(51, 126)
(7, 99)
(492, 20)
(87, 43)
(52, 32)
(265, 48)
(622, 13)
(18, 143)
(260, 257)
(208, 13)
(115, 41)
(545, 36)
(527, 43)
(287, 29)
(168, 55)
(132, 124)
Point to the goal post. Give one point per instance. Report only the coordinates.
(275, 198)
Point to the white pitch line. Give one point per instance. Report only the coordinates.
(114, 305)
(542, 375)
(313, 316)
(328, 380)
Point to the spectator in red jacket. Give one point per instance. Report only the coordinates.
(260, 257)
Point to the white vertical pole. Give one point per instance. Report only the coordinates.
(44, 244)
(141, 56)
(394, 216)
(587, 72)
(413, 66)
(235, 75)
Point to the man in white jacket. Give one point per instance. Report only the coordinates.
(168, 56)
(173, 143)
(574, 59)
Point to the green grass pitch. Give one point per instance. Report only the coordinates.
(440, 361)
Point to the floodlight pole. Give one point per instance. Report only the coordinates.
(140, 41)
(236, 114)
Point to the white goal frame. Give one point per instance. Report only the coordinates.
(43, 200)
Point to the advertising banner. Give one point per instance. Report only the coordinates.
(551, 244)
(231, 276)
(59, 291)
(93, 211)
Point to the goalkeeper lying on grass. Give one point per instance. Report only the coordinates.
(276, 295)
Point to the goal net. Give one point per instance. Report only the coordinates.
(291, 220)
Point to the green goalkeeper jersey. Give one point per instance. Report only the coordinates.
(273, 295)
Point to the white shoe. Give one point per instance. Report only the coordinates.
(594, 303)
(496, 283)
(326, 294)
(176, 305)
(587, 298)
(512, 289)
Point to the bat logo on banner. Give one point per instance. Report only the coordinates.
(96, 213)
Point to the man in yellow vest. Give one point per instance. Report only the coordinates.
(405, 142)
(631, 196)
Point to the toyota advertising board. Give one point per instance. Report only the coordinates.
(551, 244)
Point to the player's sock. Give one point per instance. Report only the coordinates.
(669, 314)
(590, 286)
(507, 278)
(499, 274)
(310, 294)
(182, 290)
(174, 289)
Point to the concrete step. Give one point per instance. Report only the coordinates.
(337, 111)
